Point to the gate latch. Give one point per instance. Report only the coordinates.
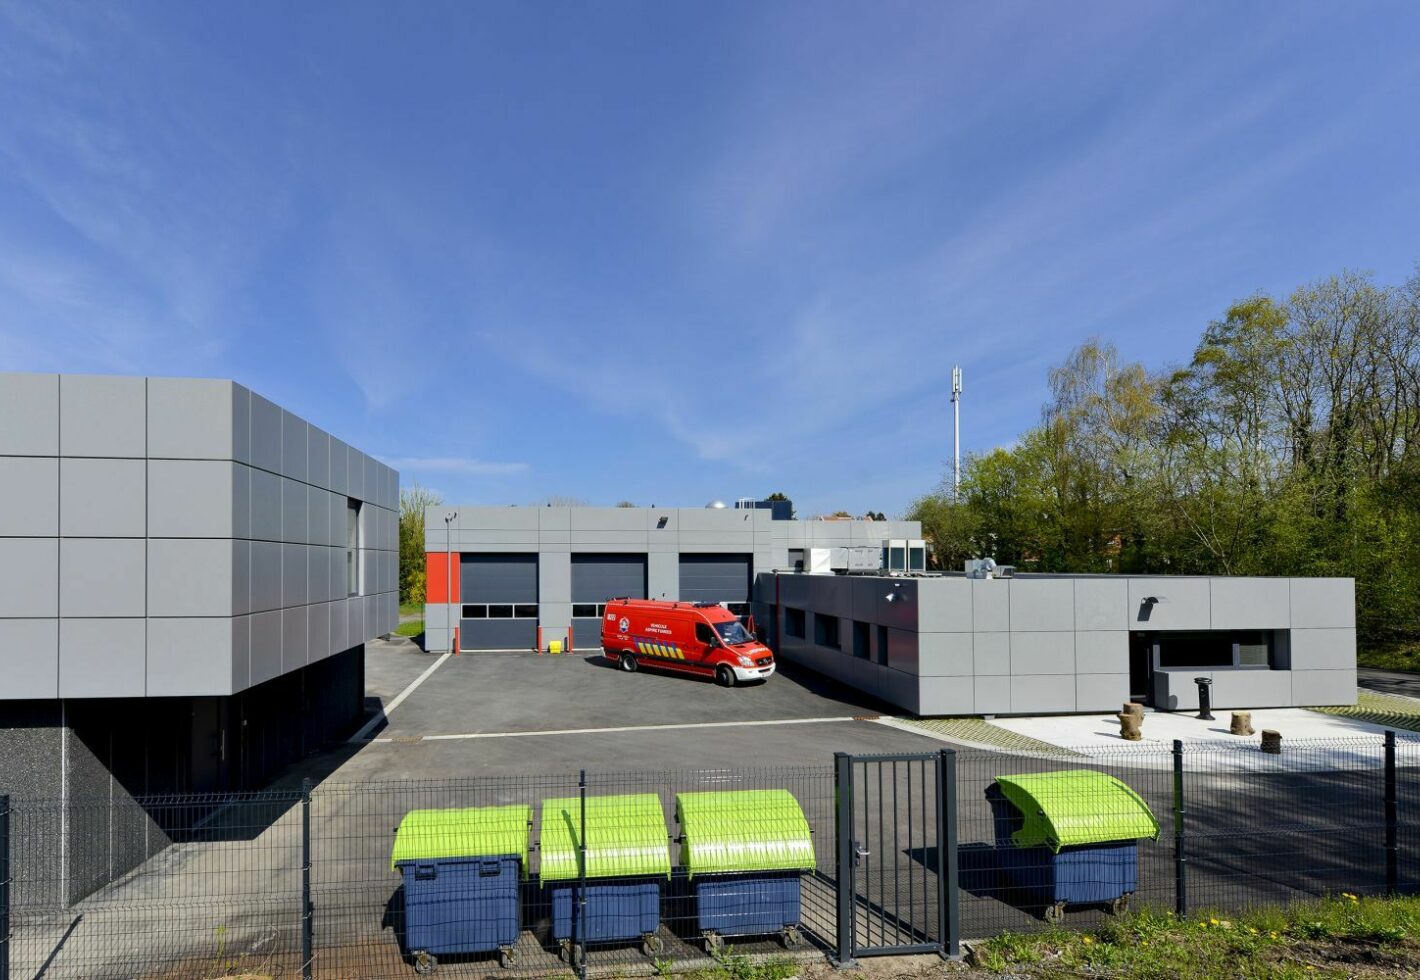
(859, 852)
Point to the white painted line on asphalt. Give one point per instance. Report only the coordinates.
(627, 728)
(369, 726)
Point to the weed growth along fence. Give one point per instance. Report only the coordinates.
(597, 873)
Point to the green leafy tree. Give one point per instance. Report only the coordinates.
(413, 500)
(1289, 444)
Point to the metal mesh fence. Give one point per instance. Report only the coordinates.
(170, 886)
(633, 873)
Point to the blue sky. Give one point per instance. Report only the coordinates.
(669, 252)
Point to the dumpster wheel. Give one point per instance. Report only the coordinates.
(1055, 913)
(507, 956)
(714, 942)
(1120, 905)
(651, 944)
(572, 953)
(790, 937)
(425, 962)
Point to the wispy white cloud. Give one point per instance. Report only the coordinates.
(463, 465)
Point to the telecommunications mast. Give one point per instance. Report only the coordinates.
(956, 432)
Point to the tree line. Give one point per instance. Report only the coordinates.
(1288, 445)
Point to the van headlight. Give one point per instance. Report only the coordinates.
(745, 661)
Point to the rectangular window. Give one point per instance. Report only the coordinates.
(500, 612)
(475, 612)
(882, 644)
(826, 631)
(525, 611)
(794, 622)
(584, 610)
(352, 546)
(1221, 649)
(862, 641)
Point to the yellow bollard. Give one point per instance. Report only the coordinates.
(554, 646)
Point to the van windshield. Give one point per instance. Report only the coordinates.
(733, 633)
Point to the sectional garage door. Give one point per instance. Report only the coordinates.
(595, 579)
(499, 596)
(715, 578)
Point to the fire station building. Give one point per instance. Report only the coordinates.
(929, 643)
(523, 577)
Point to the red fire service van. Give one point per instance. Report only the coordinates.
(701, 638)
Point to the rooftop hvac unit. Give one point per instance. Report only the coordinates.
(905, 555)
(916, 555)
(826, 561)
(895, 554)
(864, 559)
(987, 568)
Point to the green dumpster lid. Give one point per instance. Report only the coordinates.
(476, 831)
(743, 830)
(626, 835)
(1076, 806)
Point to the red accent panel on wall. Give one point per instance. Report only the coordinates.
(438, 576)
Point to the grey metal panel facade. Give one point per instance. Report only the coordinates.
(1060, 643)
(160, 515)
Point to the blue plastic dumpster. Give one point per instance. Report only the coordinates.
(628, 859)
(744, 852)
(1070, 838)
(463, 871)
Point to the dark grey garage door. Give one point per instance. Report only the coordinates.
(595, 579)
(499, 595)
(715, 578)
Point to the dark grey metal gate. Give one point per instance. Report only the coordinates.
(896, 852)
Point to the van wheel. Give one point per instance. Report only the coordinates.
(627, 661)
(724, 676)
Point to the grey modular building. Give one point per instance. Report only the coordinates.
(188, 574)
(523, 577)
(1033, 644)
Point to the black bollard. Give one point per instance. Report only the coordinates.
(1205, 698)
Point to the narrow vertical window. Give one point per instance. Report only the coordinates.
(352, 547)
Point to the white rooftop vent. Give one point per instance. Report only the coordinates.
(987, 568)
(715, 505)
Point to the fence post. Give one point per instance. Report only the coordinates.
(1180, 860)
(843, 838)
(948, 879)
(1392, 846)
(579, 941)
(4, 887)
(307, 907)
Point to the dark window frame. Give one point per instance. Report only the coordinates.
(827, 632)
(352, 547)
(862, 640)
(1235, 640)
(795, 623)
